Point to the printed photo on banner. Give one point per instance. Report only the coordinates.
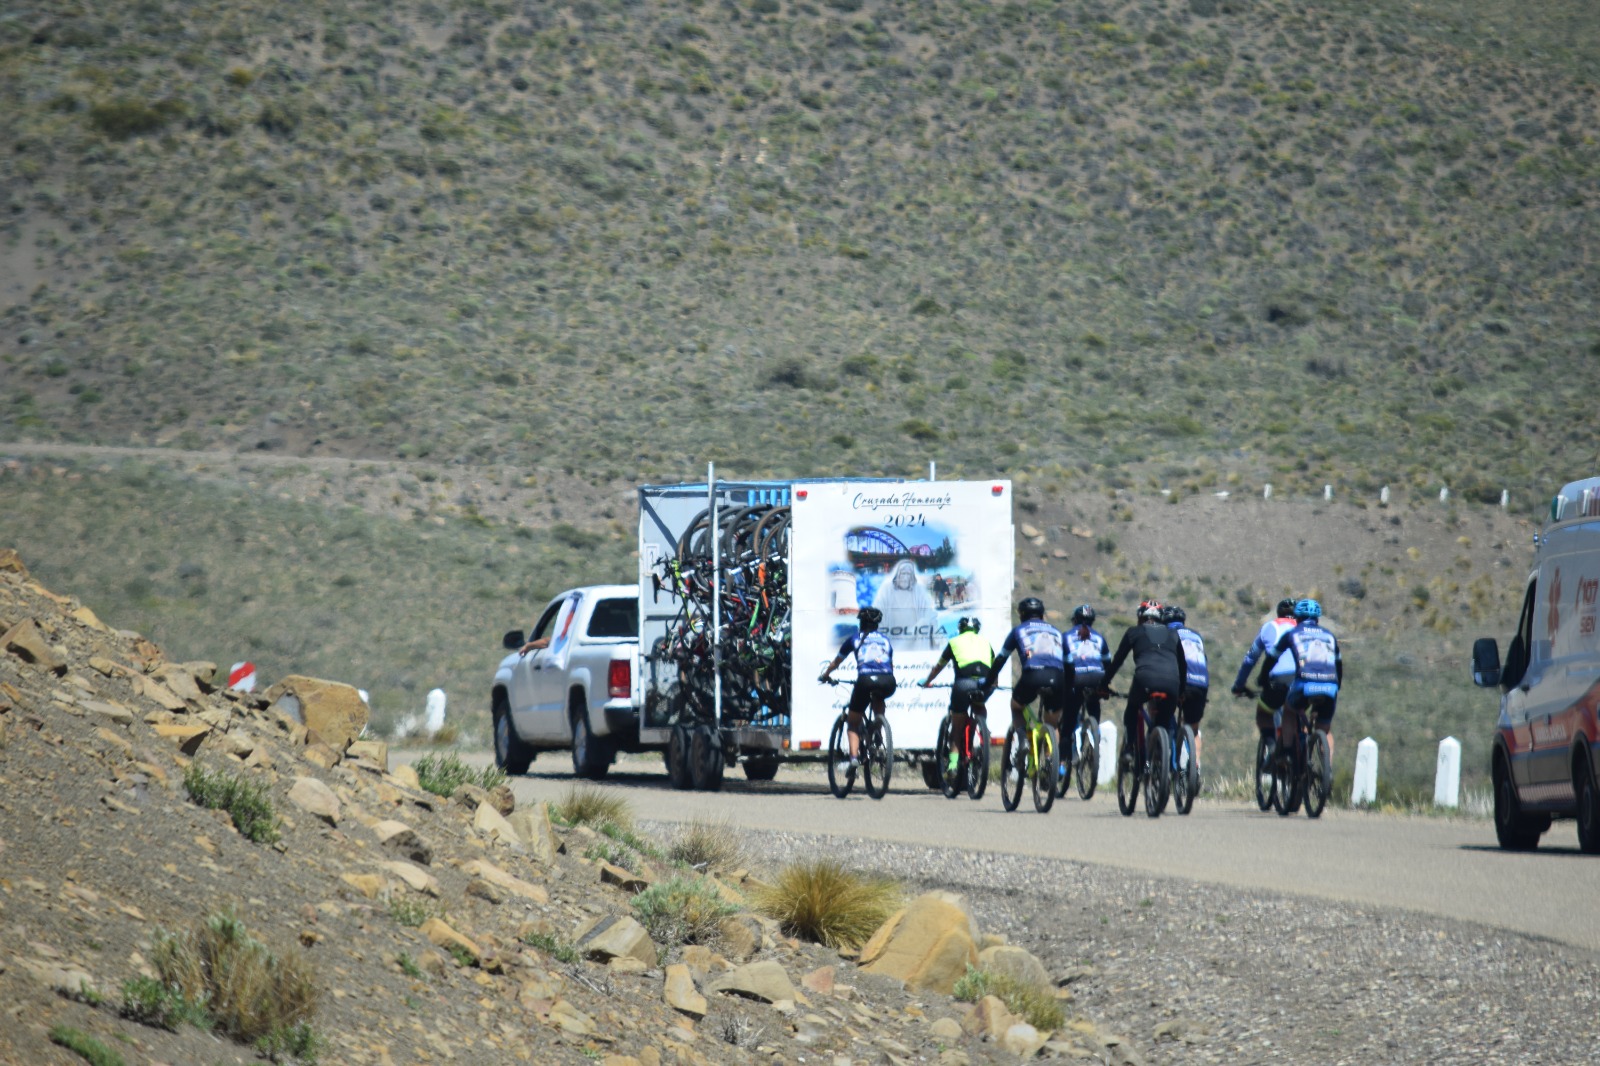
(910, 572)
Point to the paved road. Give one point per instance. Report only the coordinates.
(1449, 867)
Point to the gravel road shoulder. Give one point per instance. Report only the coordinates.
(1196, 973)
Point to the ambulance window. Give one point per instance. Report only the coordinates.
(1516, 665)
(1525, 623)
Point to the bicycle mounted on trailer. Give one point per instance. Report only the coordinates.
(972, 656)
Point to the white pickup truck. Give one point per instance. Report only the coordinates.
(577, 690)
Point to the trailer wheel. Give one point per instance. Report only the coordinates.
(677, 757)
(705, 759)
(761, 767)
(931, 775)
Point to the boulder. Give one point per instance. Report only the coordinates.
(11, 562)
(315, 798)
(492, 824)
(369, 885)
(680, 993)
(1022, 1040)
(928, 945)
(415, 877)
(440, 934)
(407, 776)
(89, 620)
(489, 872)
(565, 1016)
(159, 694)
(989, 1018)
(615, 936)
(740, 936)
(1017, 963)
(765, 980)
(626, 880)
(332, 711)
(374, 751)
(109, 709)
(179, 680)
(403, 841)
(532, 826)
(26, 641)
(187, 737)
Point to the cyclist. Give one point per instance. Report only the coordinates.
(1318, 669)
(1275, 679)
(1088, 652)
(972, 656)
(1158, 666)
(1045, 670)
(874, 673)
(1196, 681)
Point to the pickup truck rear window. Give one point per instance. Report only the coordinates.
(615, 618)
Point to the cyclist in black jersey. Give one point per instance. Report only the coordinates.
(874, 673)
(1158, 666)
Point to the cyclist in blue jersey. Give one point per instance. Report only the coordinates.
(1045, 670)
(1196, 680)
(1318, 668)
(874, 673)
(1274, 680)
(1088, 653)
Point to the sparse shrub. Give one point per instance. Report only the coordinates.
(822, 901)
(919, 429)
(123, 118)
(443, 774)
(682, 910)
(87, 1047)
(593, 807)
(1038, 1006)
(246, 802)
(573, 537)
(297, 1043)
(706, 846)
(409, 967)
(150, 1002)
(556, 948)
(249, 991)
(410, 911)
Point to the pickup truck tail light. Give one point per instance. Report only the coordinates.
(619, 682)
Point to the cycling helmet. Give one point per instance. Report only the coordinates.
(1307, 609)
(1285, 608)
(1083, 615)
(1149, 611)
(1032, 607)
(968, 625)
(869, 618)
(1173, 613)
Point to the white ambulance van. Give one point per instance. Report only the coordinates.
(1547, 741)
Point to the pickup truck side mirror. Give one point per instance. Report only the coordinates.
(513, 640)
(1485, 662)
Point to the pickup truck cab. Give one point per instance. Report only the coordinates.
(1547, 738)
(577, 691)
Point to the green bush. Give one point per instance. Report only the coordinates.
(246, 802)
(249, 991)
(123, 118)
(85, 1046)
(154, 1003)
(1038, 1006)
(682, 910)
(556, 948)
(443, 774)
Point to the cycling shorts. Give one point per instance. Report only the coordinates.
(967, 693)
(869, 687)
(1161, 710)
(1046, 682)
(1273, 691)
(1194, 705)
(1323, 696)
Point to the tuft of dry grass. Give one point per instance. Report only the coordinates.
(707, 845)
(596, 807)
(250, 991)
(820, 900)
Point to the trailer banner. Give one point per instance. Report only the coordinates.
(926, 554)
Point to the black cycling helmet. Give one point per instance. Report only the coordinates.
(968, 625)
(1032, 607)
(869, 618)
(1173, 613)
(1083, 615)
(1285, 608)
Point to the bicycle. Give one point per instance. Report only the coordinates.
(1082, 758)
(971, 774)
(876, 758)
(1305, 771)
(1266, 781)
(1161, 764)
(1039, 763)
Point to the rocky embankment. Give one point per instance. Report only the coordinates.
(457, 929)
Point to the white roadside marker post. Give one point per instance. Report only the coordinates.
(1365, 787)
(1447, 777)
(1108, 752)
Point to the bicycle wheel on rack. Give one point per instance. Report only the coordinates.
(950, 782)
(1047, 774)
(1012, 776)
(1319, 774)
(877, 756)
(1264, 779)
(1087, 763)
(1158, 772)
(978, 759)
(1186, 774)
(840, 775)
(1128, 778)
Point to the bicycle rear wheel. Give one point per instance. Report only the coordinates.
(1158, 772)
(1286, 786)
(1319, 774)
(1128, 778)
(1264, 779)
(1087, 762)
(1012, 776)
(978, 758)
(1186, 774)
(1047, 775)
(877, 756)
(840, 777)
(950, 783)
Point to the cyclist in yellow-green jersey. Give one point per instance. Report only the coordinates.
(972, 657)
